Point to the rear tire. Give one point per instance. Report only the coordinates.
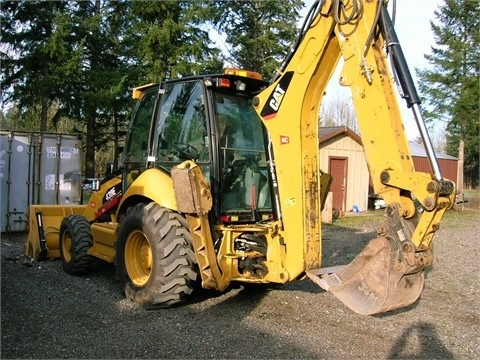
(155, 258)
(75, 240)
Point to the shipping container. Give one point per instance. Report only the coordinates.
(37, 168)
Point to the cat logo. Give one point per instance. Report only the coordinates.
(277, 97)
(274, 101)
(110, 194)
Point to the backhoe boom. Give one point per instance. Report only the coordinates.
(389, 273)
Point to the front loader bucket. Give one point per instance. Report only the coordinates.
(379, 279)
(44, 229)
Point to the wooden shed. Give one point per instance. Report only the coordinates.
(342, 156)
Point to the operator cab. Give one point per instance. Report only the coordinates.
(208, 119)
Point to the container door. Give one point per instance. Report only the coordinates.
(59, 167)
(15, 180)
(70, 170)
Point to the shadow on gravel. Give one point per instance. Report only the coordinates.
(236, 325)
(419, 341)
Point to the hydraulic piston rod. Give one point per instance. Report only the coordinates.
(408, 87)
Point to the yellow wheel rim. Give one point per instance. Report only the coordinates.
(67, 246)
(138, 258)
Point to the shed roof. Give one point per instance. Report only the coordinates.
(419, 150)
(328, 132)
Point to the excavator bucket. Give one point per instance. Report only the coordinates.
(381, 278)
(44, 228)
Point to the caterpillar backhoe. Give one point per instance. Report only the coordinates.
(220, 178)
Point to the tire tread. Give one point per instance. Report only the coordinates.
(173, 272)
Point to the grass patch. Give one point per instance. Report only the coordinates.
(86, 196)
(471, 198)
(361, 220)
(454, 218)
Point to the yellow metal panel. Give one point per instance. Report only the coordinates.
(137, 91)
(154, 185)
(105, 237)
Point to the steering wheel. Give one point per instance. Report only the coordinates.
(186, 151)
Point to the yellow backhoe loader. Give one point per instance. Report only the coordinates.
(220, 180)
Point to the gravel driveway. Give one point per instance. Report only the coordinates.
(46, 313)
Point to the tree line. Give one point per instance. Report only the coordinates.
(69, 66)
(450, 86)
(75, 62)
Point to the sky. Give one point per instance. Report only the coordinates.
(413, 29)
(412, 25)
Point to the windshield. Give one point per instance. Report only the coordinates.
(244, 180)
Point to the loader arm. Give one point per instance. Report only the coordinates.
(388, 274)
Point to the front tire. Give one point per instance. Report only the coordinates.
(75, 240)
(155, 258)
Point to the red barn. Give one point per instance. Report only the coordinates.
(448, 164)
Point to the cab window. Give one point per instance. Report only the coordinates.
(137, 139)
(181, 132)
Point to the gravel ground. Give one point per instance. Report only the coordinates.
(46, 313)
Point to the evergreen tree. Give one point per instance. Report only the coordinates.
(451, 87)
(258, 32)
(169, 41)
(30, 55)
(84, 57)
